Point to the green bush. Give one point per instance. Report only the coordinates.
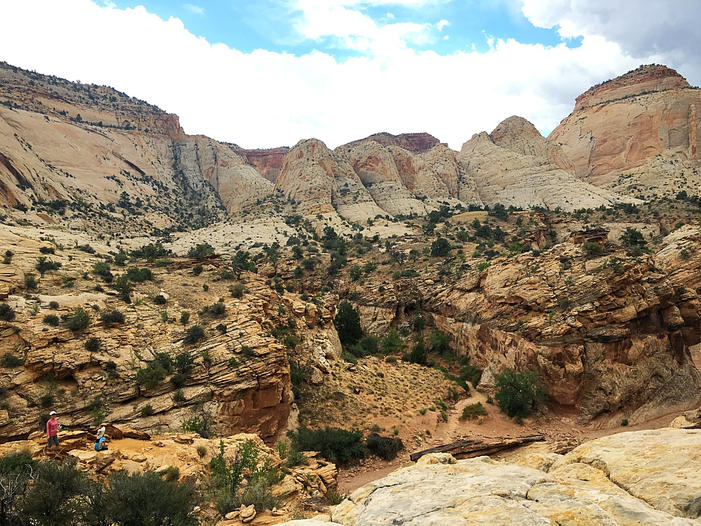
(102, 269)
(151, 375)
(160, 299)
(237, 290)
(93, 344)
(7, 313)
(112, 317)
(30, 281)
(391, 342)
(10, 360)
(347, 322)
(418, 352)
(200, 424)
(184, 317)
(77, 320)
(172, 473)
(472, 411)
(201, 251)
(216, 310)
(45, 265)
(139, 275)
(384, 447)
(51, 319)
(123, 286)
(54, 497)
(194, 334)
(518, 394)
(147, 410)
(591, 249)
(335, 445)
(440, 247)
(146, 499)
(16, 471)
(296, 458)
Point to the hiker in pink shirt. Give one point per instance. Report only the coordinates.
(52, 428)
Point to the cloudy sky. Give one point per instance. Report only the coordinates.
(265, 73)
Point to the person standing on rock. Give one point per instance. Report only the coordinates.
(52, 429)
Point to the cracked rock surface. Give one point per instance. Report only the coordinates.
(644, 477)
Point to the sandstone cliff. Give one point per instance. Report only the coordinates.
(513, 166)
(636, 134)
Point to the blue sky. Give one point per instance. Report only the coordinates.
(267, 73)
(266, 24)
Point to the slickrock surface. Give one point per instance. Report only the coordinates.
(645, 477)
(512, 166)
(637, 134)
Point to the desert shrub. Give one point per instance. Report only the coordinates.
(197, 270)
(194, 334)
(147, 410)
(139, 275)
(367, 345)
(150, 375)
(470, 372)
(7, 257)
(347, 322)
(391, 342)
(591, 249)
(216, 310)
(10, 360)
(384, 447)
(472, 411)
(184, 317)
(51, 319)
(53, 305)
(77, 320)
(110, 317)
(102, 269)
(16, 471)
(123, 286)
(633, 240)
(45, 265)
(201, 251)
(7, 313)
(440, 342)
(30, 282)
(146, 499)
(200, 424)
(418, 352)
(53, 498)
(93, 344)
(201, 451)
(518, 394)
(237, 290)
(179, 397)
(151, 252)
(440, 247)
(335, 445)
(184, 362)
(159, 300)
(47, 250)
(172, 473)
(296, 458)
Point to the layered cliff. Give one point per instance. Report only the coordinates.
(513, 165)
(635, 134)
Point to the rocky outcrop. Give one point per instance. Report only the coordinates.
(512, 166)
(636, 134)
(268, 162)
(645, 477)
(115, 155)
(323, 182)
(607, 335)
(413, 142)
(203, 160)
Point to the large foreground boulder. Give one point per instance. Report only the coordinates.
(645, 477)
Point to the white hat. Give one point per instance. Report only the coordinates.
(101, 432)
(52, 413)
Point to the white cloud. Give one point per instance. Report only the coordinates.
(198, 10)
(442, 24)
(644, 28)
(264, 98)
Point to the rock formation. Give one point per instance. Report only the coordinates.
(513, 166)
(646, 477)
(636, 134)
(268, 162)
(323, 182)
